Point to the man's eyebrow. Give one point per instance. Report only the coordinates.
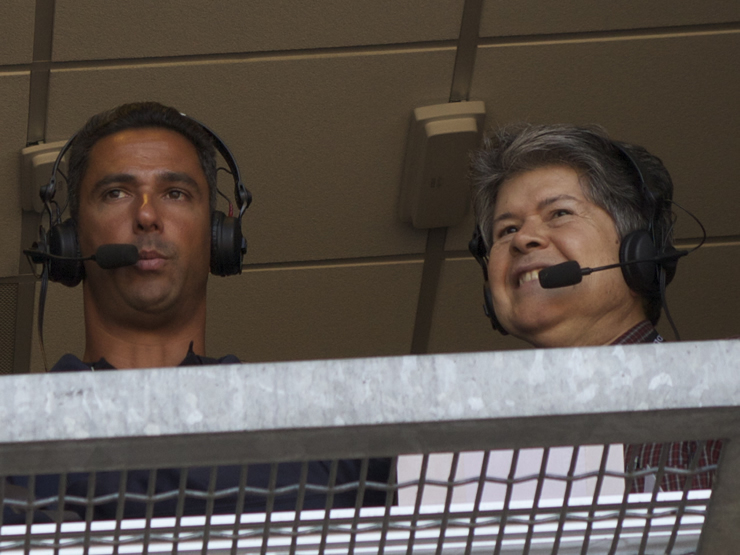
(504, 216)
(113, 178)
(542, 204)
(552, 200)
(166, 176)
(178, 177)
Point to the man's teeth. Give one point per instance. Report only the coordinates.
(529, 276)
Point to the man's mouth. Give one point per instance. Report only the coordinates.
(150, 260)
(529, 276)
(146, 254)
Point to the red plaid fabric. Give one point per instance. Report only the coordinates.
(648, 455)
(644, 332)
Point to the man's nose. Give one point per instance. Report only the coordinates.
(531, 236)
(147, 217)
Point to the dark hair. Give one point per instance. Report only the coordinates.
(608, 178)
(137, 115)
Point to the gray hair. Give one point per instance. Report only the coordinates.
(608, 178)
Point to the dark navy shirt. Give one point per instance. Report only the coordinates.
(70, 363)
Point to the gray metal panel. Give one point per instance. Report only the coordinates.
(530, 17)
(332, 409)
(87, 29)
(342, 408)
(16, 29)
(721, 531)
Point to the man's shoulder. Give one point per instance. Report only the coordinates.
(191, 359)
(69, 363)
(228, 359)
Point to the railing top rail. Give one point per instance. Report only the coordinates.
(450, 402)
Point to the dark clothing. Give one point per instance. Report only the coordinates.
(640, 456)
(70, 363)
(197, 480)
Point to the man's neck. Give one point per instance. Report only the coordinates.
(127, 346)
(125, 355)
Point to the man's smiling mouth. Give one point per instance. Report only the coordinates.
(529, 276)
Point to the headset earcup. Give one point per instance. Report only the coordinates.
(62, 241)
(641, 277)
(477, 248)
(228, 246)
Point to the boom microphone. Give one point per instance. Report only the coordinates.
(108, 257)
(114, 256)
(571, 273)
(561, 275)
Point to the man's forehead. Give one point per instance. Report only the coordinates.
(146, 147)
(139, 135)
(539, 188)
(138, 155)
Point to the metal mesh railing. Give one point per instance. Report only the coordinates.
(443, 454)
(577, 500)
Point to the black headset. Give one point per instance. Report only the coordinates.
(642, 244)
(228, 245)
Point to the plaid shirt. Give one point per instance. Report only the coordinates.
(647, 455)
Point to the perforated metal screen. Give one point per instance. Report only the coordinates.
(445, 454)
(558, 500)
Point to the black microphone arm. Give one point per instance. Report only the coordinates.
(108, 257)
(571, 273)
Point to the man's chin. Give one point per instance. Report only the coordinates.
(153, 306)
(533, 329)
(151, 302)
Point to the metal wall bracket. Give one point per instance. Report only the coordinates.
(36, 164)
(434, 189)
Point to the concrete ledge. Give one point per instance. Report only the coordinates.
(368, 407)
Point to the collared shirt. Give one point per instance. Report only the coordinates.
(642, 456)
(70, 363)
(644, 332)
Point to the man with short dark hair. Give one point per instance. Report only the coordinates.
(145, 174)
(545, 195)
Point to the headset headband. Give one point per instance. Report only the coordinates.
(241, 193)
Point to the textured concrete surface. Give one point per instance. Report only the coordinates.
(359, 392)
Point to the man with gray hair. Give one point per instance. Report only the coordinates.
(550, 199)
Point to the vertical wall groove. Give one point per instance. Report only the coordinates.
(467, 46)
(40, 69)
(38, 100)
(462, 77)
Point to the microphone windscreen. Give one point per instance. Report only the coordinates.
(561, 275)
(114, 256)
